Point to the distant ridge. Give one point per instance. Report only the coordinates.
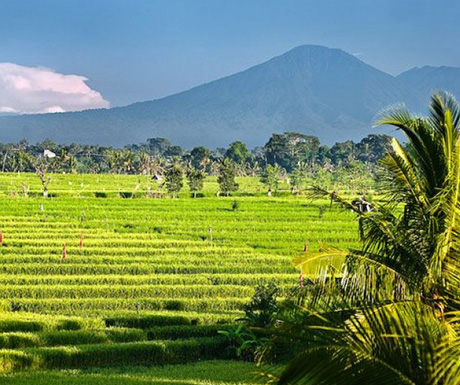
(310, 89)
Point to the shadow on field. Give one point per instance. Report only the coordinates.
(221, 372)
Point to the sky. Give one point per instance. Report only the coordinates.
(62, 55)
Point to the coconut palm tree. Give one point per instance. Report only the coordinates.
(412, 233)
(391, 316)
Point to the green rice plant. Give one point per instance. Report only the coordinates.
(146, 269)
(80, 337)
(16, 360)
(18, 340)
(145, 322)
(176, 332)
(136, 353)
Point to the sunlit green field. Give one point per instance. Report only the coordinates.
(145, 279)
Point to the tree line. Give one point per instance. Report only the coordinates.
(287, 150)
(300, 156)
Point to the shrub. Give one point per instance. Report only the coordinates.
(263, 306)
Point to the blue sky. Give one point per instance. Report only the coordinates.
(144, 49)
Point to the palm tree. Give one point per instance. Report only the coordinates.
(393, 315)
(144, 163)
(411, 234)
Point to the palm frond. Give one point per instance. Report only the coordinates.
(389, 344)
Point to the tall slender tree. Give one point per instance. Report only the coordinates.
(174, 179)
(195, 179)
(226, 178)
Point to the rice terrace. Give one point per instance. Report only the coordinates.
(229, 192)
(142, 280)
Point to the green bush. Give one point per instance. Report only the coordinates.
(263, 306)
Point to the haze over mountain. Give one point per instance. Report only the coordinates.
(310, 89)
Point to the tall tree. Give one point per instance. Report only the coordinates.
(174, 179)
(226, 178)
(290, 148)
(41, 165)
(238, 152)
(270, 177)
(298, 177)
(200, 157)
(195, 179)
(343, 153)
(158, 146)
(373, 147)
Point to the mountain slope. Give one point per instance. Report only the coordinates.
(423, 81)
(310, 89)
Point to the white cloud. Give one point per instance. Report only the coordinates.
(38, 90)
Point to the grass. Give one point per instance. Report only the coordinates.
(206, 373)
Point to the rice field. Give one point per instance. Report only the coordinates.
(110, 272)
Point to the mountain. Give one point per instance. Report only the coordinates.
(423, 81)
(310, 89)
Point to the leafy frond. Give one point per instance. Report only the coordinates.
(389, 344)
